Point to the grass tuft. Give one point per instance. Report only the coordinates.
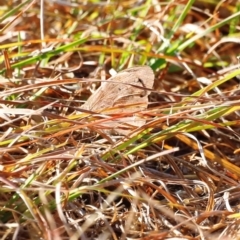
(64, 175)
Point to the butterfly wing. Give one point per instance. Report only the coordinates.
(126, 88)
(124, 93)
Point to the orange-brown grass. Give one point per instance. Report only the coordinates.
(63, 176)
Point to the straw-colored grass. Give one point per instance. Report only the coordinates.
(63, 175)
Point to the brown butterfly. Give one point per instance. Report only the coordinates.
(123, 93)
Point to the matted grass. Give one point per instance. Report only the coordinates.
(63, 176)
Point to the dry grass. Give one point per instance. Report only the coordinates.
(63, 177)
